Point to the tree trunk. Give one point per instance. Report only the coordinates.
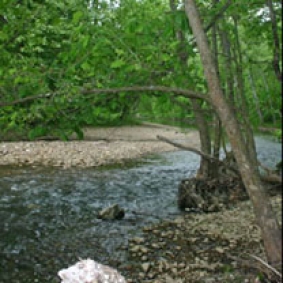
(264, 214)
(276, 58)
(266, 86)
(205, 169)
(226, 48)
(243, 107)
(255, 96)
(217, 123)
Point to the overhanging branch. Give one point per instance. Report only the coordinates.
(26, 99)
(176, 91)
(192, 149)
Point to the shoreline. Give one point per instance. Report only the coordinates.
(102, 146)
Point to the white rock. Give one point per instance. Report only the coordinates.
(89, 271)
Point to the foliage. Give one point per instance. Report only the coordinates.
(61, 47)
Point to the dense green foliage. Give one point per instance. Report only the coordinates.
(61, 47)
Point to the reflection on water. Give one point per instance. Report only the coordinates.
(48, 216)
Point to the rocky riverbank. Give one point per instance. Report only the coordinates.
(201, 248)
(101, 146)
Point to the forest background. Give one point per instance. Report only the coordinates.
(56, 55)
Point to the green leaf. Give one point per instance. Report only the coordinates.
(37, 132)
(79, 132)
(86, 66)
(77, 16)
(85, 41)
(117, 64)
(119, 51)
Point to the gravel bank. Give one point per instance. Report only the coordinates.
(201, 248)
(101, 146)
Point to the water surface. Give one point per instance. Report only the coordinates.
(48, 215)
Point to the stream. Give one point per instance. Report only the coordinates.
(48, 215)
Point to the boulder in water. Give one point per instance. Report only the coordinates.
(113, 212)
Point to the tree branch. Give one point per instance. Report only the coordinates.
(270, 178)
(218, 15)
(24, 100)
(177, 91)
(192, 149)
(215, 18)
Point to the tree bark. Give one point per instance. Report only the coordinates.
(266, 86)
(206, 168)
(226, 48)
(264, 214)
(217, 123)
(276, 56)
(243, 107)
(255, 96)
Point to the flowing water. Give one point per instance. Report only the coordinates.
(48, 215)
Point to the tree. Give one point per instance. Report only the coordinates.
(276, 59)
(264, 214)
(66, 65)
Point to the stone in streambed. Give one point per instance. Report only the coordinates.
(113, 212)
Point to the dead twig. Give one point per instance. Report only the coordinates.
(268, 266)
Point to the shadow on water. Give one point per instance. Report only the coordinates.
(48, 216)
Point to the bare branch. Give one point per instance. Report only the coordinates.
(192, 149)
(273, 178)
(268, 266)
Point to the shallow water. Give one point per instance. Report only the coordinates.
(48, 215)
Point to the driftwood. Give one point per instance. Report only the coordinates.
(232, 167)
(270, 177)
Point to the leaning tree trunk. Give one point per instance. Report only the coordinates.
(264, 214)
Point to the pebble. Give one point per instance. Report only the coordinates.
(145, 267)
(124, 143)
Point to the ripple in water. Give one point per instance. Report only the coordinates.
(48, 216)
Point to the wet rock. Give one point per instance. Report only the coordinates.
(113, 212)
